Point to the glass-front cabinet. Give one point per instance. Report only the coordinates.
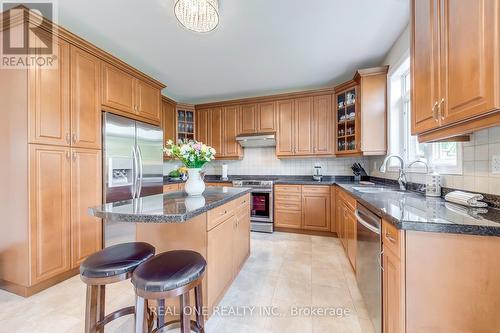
(185, 122)
(347, 121)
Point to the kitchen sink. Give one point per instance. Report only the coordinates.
(373, 189)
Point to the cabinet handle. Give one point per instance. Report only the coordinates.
(74, 156)
(441, 110)
(434, 111)
(67, 138)
(74, 138)
(380, 261)
(389, 237)
(67, 155)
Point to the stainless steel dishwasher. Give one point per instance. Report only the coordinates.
(368, 263)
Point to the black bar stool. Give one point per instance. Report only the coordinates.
(113, 264)
(167, 275)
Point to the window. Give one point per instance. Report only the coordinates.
(446, 157)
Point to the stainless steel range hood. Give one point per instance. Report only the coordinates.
(257, 140)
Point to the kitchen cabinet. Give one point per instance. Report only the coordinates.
(347, 224)
(185, 122)
(350, 228)
(333, 210)
(203, 128)
(455, 67)
(216, 135)
(316, 208)
(393, 297)
(288, 206)
(241, 244)
(248, 119)
(266, 117)
(124, 94)
(322, 120)
(360, 117)
(49, 100)
(171, 187)
(86, 191)
(50, 211)
(285, 144)
(168, 122)
(303, 121)
(85, 85)
(231, 149)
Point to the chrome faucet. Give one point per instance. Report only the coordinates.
(402, 174)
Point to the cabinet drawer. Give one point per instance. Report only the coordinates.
(350, 201)
(287, 197)
(308, 189)
(391, 238)
(287, 219)
(288, 205)
(219, 214)
(242, 201)
(170, 188)
(288, 189)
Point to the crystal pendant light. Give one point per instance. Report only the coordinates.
(197, 15)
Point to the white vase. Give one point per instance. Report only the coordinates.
(194, 185)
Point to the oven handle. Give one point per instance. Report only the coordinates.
(261, 191)
(366, 224)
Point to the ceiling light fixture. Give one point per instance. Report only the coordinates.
(197, 15)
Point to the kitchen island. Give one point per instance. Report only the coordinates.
(216, 224)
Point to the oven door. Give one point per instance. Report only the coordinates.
(261, 209)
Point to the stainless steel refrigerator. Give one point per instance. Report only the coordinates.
(133, 168)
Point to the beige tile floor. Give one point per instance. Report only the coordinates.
(285, 273)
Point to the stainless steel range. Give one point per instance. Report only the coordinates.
(261, 209)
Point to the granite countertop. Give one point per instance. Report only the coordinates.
(277, 179)
(174, 207)
(414, 211)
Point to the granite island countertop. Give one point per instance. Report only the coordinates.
(174, 207)
(414, 211)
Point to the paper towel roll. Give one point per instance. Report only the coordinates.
(224, 171)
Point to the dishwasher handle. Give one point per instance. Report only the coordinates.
(366, 224)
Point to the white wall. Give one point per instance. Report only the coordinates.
(263, 161)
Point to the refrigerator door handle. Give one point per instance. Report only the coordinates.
(141, 175)
(134, 173)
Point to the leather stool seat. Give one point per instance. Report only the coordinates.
(116, 260)
(169, 270)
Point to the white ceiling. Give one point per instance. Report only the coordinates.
(260, 47)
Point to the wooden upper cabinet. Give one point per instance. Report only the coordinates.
(216, 132)
(285, 144)
(148, 99)
(86, 191)
(203, 126)
(469, 45)
(168, 121)
(118, 89)
(425, 65)
(49, 211)
(231, 148)
(323, 124)
(85, 99)
(248, 119)
(49, 103)
(303, 126)
(266, 117)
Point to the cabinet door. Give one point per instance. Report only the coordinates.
(333, 210)
(168, 122)
(304, 126)
(49, 89)
(266, 117)
(148, 99)
(285, 141)
(316, 212)
(323, 125)
(118, 89)
(393, 307)
(49, 211)
(231, 128)
(248, 119)
(220, 257)
(85, 100)
(216, 138)
(425, 65)
(469, 45)
(241, 237)
(86, 191)
(351, 235)
(203, 126)
(343, 223)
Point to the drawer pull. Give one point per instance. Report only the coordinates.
(389, 237)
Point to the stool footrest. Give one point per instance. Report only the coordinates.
(115, 315)
(194, 326)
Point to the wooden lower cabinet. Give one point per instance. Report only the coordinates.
(346, 224)
(393, 294)
(171, 188)
(50, 212)
(316, 208)
(241, 244)
(86, 191)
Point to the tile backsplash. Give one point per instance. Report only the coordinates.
(476, 169)
(263, 161)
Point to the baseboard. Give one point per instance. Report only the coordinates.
(306, 232)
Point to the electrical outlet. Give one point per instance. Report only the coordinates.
(495, 164)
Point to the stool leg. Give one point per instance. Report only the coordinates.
(185, 318)
(160, 313)
(91, 309)
(101, 305)
(140, 315)
(198, 296)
